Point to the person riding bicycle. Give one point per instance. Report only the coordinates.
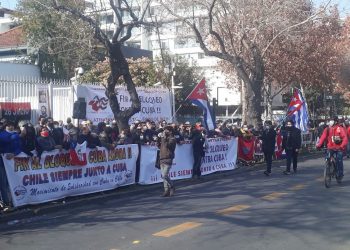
(337, 141)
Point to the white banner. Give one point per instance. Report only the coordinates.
(155, 103)
(181, 168)
(221, 156)
(53, 178)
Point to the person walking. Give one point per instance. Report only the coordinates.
(268, 138)
(198, 145)
(166, 156)
(291, 143)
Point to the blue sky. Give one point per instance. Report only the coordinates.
(10, 4)
(344, 5)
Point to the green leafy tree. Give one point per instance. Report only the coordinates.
(61, 42)
(187, 76)
(78, 11)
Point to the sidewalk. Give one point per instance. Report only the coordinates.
(16, 215)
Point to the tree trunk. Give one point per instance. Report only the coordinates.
(268, 100)
(269, 109)
(252, 86)
(119, 67)
(251, 103)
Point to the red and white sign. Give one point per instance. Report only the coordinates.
(15, 110)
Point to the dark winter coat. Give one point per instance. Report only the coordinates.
(167, 149)
(291, 139)
(29, 140)
(268, 138)
(57, 134)
(198, 143)
(45, 144)
(92, 140)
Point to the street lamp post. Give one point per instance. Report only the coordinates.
(173, 87)
(173, 73)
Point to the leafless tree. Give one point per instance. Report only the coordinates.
(136, 12)
(241, 33)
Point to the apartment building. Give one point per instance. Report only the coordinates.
(173, 37)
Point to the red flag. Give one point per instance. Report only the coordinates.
(246, 149)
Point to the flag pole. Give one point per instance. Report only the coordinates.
(303, 93)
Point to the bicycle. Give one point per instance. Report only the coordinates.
(330, 170)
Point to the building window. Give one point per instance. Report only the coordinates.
(134, 45)
(165, 44)
(109, 19)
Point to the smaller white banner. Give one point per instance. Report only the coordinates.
(181, 168)
(155, 103)
(220, 156)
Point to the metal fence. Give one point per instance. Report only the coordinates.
(25, 89)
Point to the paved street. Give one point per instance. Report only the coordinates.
(241, 211)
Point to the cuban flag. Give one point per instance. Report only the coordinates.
(297, 111)
(199, 97)
(77, 154)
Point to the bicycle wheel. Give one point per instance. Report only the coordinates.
(327, 174)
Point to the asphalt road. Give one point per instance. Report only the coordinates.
(242, 211)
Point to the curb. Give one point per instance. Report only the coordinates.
(25, 212)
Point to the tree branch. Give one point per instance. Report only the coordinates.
(99, 34)
(211, 31)
(292, 27)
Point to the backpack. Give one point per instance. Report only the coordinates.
(336, 139)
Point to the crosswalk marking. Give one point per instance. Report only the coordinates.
(273, 196)
(297, 187)
(233, 209)
(177, 229)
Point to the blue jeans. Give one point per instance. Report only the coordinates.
(4, 186)
(338, 155)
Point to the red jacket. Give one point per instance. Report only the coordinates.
(329, 133)
(348, 131)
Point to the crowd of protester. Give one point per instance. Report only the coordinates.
(48, 134)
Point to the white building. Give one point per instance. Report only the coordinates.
(14, 60)
(6, 20)
(177, 39)
(173, 37)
